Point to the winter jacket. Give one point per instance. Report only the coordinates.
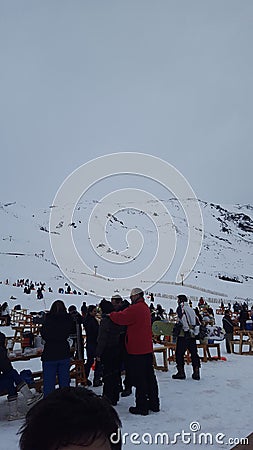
(91, 327)
(228, 324)
(244, 316)
(187, 316)
(5, 363)
(108, 336)
(139, 332)
(55, 332)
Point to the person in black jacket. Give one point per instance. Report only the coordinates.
(91, 326)
(108, 352)
(11, 381)
(229, 328)
(119, 305)
(84, 309)
(56, 354)
(244, 316)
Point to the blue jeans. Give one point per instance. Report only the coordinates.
(51, 369)
(9, 381)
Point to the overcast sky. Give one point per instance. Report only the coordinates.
(83, 78)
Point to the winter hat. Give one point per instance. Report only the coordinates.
(117, 297)
(182, 298)
(136, 291)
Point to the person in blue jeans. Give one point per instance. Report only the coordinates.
(56, 354)
(11, 382)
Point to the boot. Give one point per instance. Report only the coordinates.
(30, 398)
(180, 375)
(126, 392)
(97, 383)
(196, 374)
(155, 407)
(14, 414)
(135, 410)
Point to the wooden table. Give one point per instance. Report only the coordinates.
(24, 357)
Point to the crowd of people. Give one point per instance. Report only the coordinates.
(118, 340)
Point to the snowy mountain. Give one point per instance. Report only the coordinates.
(218, 406)
(223, 269)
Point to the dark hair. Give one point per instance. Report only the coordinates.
(71, 308)
(90, 308)
(117, 299)
(71, 415)
(182, 298)
(58, 307)
(106, 307)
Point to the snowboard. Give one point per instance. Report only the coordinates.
(160, 328)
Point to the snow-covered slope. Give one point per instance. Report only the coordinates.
(224, 268)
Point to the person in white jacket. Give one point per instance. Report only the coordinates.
(188, 319)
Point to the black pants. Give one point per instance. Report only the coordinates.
(91, 354)
(186, 343)
(142, 376)
(111, 374)
(124, 363)
(228, 337)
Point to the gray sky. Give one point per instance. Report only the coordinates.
(79, 79)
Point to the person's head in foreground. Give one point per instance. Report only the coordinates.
(71, 418)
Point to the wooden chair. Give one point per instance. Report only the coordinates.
(164, 366)
(78, 372)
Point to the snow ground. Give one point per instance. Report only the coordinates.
(220, 403)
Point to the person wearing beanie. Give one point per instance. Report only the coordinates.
(188, 319)
(11, 381)
(139, 347)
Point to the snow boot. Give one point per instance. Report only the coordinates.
(153, 406)
(180, 375)
(135, 410)
(126, 392)
(196, 374)
(14, 414)
(97, 383)
(30, 398)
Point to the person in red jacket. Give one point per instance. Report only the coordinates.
(139, 347)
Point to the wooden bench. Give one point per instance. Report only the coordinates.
(206, 351)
